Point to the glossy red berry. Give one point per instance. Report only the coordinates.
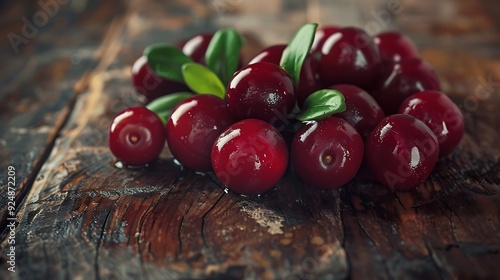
(320, 37)
(194, 125)
(349, 56)
(440, 114)
(270, 54)
(327, 153)
(149, 84)
(362, 111)
(401, 152)
(136, 136)
(250, 157)
(309, 81)
(263, 91)
(395, 46)
(196, 47)
(403, 79)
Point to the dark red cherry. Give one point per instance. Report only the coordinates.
(403, 79)
(149, 84)
(196, 47)
(440, 114)
(401, 152)
(194, 125)
(250, 157)
(136, 136)
(263, 91)
(349, 56)
(395, 46)
(309, 81)
(270, 54)
(327, 153)
(320, 37)
(362, 111)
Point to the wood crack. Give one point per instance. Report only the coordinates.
(452, 222)
(98, 245)
(343, 241)
(203, 223)
(46, 256)
(435, 261)
(181, 223)
(141, 225)
(366, 232)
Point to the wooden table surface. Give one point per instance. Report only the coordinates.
(66, 72)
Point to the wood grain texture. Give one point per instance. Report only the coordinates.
(81, 217)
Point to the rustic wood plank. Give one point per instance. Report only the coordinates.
(85, 218)
(40, 85)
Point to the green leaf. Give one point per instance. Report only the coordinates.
(321, 104)
(201, 80)
(295, 53)
(166, 61)
(164, 105)
(223, 53)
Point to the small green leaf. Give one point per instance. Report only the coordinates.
(223, 53)
(164, 105)
(166, 61)
(201, 80)
(295, 53)
(321, 104)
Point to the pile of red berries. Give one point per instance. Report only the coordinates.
(329, 100)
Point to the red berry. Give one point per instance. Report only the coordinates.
(250, 157)
(395, 46)
(270, 54)
(403, 79)
(263, 91)
(194, 125)
(440, 114)
(149, 84)
(327, 153)
(320, 37)
(136, 136)
(349, 56)
(401, 152)
(196, 47)
(362, 111)
(309, 81)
